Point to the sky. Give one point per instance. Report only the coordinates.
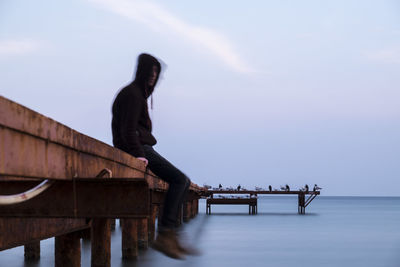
(253, 93)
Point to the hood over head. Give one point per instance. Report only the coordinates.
(143, 71)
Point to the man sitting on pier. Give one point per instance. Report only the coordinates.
(131, 128)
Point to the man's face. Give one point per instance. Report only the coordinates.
(153, 76)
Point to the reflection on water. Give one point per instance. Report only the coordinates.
(335, 231)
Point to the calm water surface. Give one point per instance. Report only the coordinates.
(335, 231)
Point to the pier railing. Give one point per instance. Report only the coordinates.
(57, 182)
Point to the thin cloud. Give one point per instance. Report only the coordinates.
(17, 47)
(158, 19)
(387, 55)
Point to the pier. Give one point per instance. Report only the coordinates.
(303, 202)
(57, 182)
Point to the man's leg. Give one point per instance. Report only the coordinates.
(178, 185)
(167, 241)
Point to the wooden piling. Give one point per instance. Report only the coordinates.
(129, 238)
(32, 251)
(143, 235)
(67, 251)
(101, 243)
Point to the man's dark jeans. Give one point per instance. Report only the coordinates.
(178, 185)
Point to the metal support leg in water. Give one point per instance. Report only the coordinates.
(143, 233)
(129, 238)
(68, 250)
(152, 223)
(101, 243)
(301, 206)
(32, 251)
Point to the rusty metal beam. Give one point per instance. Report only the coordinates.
(19, 231)
(82, 198)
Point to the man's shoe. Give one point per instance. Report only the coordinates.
(166, 243)
(186, 249)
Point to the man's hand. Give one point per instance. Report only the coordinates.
(144, 160)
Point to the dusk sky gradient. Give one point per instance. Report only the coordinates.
(255, 92)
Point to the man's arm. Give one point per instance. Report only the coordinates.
(130, 118)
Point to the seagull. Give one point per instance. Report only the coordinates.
(207, 186)
(317, 188)
(287, 187)
(283, 188)
(238, 188)
(270, 188)
(306, 188)
(220, 186)
(258, 188)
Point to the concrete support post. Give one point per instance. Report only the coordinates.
(129, 238)
(32, 251)
(67, 250)
(101, 243)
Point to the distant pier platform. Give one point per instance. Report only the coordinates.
(303, 201)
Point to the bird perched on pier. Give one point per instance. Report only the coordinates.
(306, 188)
(270, 188)
(238, 188)
(220, 186)
(317, 188)
(287, 188)
(283, 188)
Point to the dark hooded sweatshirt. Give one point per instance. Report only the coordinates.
(131, 124)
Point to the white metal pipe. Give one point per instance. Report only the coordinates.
(31, 193)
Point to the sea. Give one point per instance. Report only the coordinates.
(334, 232)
